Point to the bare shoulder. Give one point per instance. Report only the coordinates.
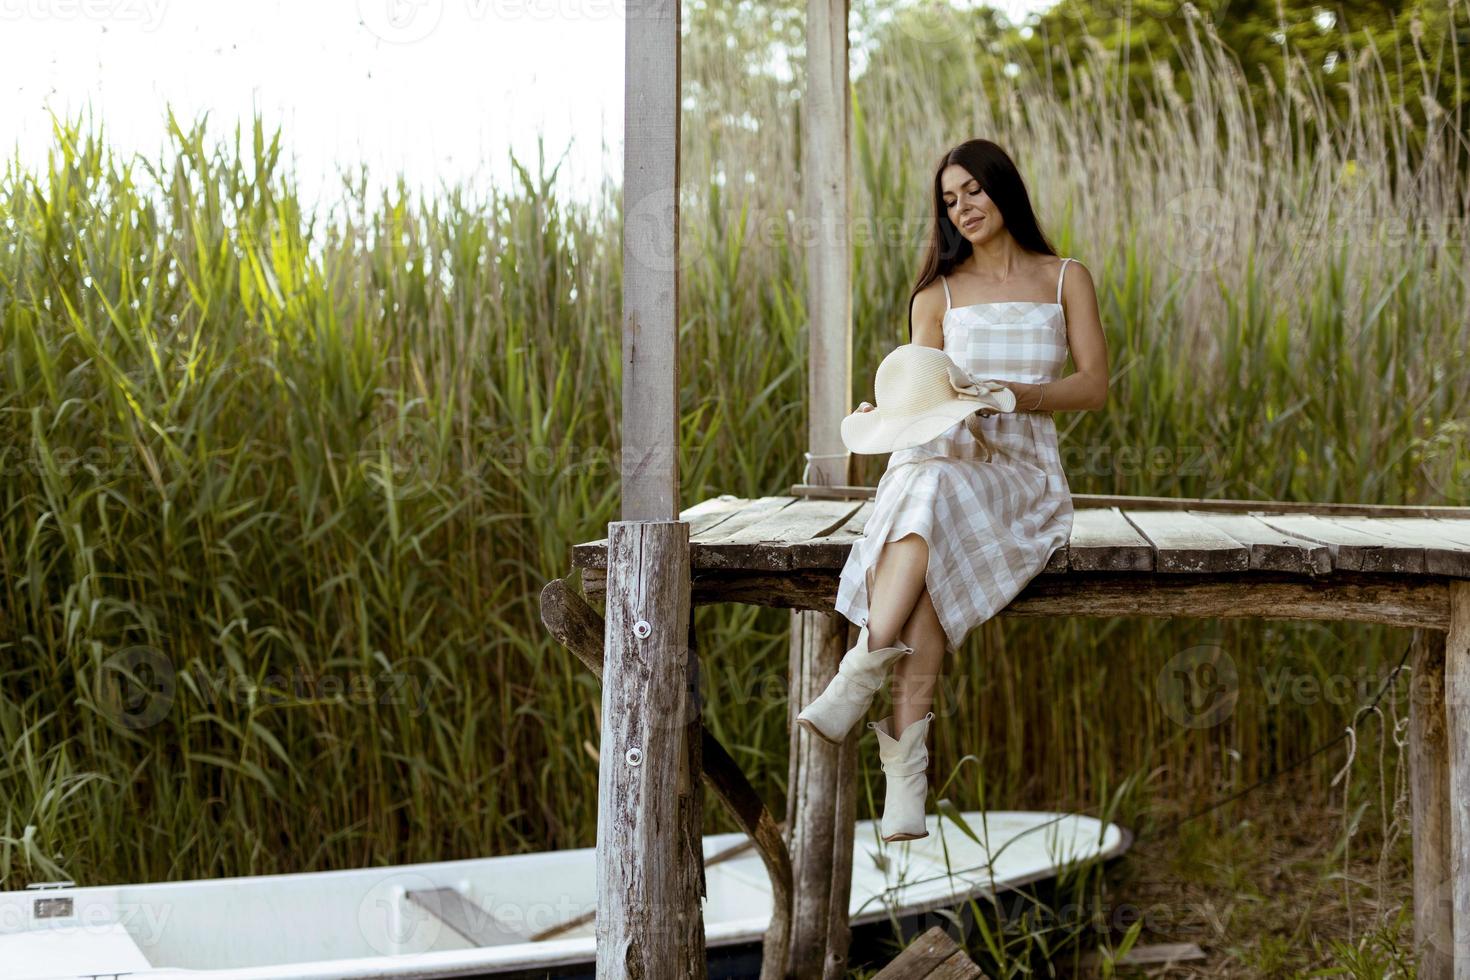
(928, 315)
(1074, 272)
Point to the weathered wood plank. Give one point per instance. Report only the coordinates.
(1352, 550)
(1429, 798)
(1185, 543)
(1457, 740)
(932, 955)
(1342, 596)
(797, 523)
(1104, 541)
(1271, 549)
(649, 878)
(754, 512)
(1442, 554)
(830, 550)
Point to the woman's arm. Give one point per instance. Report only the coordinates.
(1087, 386)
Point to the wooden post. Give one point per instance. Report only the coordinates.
(650, 872)
(1429, 778)
(821, 804)
(821, 798)
(1457, 730)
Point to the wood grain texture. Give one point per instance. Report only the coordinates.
(649, 884)
(650, 346)
(1429, 798)
(785, 533)
(932, 956)
(821, 806)
(1457, 739)
(579, 628)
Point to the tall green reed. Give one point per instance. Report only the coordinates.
(317, 466)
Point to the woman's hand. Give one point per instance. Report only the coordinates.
(864, 407)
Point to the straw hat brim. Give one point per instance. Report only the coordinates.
(873, 432)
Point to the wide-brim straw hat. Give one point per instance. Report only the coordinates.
(921, 392)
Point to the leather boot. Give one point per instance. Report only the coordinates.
(847, 698)
(905, 770)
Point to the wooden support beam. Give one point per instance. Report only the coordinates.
(1429, 778)
(1457, 739)
(650, 872)
(1391, 600)
(821, 805)
(580, 628)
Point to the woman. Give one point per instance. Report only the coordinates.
(956, 531)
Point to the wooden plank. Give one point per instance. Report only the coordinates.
(1392, 600)
(1271, 549)
(1451, 529)
(933, 955)
(1104, 541)
(800, 521)
(1442, 554)
(1429, 799)
(752, 513)
(701, 517)
(1185, 543)
(1352, 550)
(650, 320)
(830, 550)
(1457, 741)
(1222, 504)
(649, 813)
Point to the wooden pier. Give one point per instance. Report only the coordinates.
(1407, 567)
(1400, 566)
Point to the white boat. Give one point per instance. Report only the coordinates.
(478, 917)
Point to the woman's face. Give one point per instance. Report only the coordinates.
(969, 208)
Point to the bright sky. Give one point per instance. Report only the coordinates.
(437, 89)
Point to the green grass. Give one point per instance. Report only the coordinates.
(318, 464)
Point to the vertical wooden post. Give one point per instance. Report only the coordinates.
(821, 800)
(821, 804)
(1457, 730)
(1429, 779)
(650, 871)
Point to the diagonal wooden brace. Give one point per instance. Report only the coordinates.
(580, 628)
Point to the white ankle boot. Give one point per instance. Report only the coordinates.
(905, 767)
(832, 713)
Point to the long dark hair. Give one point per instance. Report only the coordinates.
(993, 168)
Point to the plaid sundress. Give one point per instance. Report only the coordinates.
(991, 525)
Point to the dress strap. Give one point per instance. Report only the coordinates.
(1060, 274)
(946, 292)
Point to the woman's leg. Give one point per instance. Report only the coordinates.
(894, 587)
(916, 675)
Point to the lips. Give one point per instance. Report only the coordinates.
(971, 223)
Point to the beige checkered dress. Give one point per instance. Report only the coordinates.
(991, 525)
